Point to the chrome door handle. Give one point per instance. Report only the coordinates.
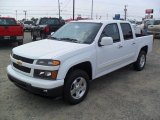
(133, 43)
(120, 46)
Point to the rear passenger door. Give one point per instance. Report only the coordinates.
(129, 44)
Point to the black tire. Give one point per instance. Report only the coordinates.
(73, 76)
(34, 38)
(43, 36)
(20, 42)
(138, 64)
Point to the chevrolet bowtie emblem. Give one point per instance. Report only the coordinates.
(19, 62)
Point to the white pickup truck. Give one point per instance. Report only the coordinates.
(74, 55)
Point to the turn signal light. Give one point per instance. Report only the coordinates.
(54, 74)
(55, 62)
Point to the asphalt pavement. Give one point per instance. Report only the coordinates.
(121, 95)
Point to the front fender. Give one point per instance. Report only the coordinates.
(80, 58)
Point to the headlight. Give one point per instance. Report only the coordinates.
(48, 62)
(44, 74)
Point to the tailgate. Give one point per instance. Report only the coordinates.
(16, 30)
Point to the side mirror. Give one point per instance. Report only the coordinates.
(52, 33)
(106, 41)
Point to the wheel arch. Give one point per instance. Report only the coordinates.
(144, 48)
(85, 66)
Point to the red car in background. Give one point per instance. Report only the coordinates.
(11, 31)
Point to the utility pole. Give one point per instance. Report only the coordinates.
(25, 13)
(73, 8)
(125, 12)
(92, 10)
(59, 9)
(107, 16)
(16, 14)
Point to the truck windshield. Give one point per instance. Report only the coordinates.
(157, 22)
(7, 21)
(46, 21)
(79, 32)
(28, 22)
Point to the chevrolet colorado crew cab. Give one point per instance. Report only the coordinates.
(11, 31)
(76, 54)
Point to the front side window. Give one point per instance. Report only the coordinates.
(127, 31)
(111, 30)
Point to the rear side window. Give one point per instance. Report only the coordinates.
(111, 30)
(127, 31)
(7, 21)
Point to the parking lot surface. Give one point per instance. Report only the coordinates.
(122, 95)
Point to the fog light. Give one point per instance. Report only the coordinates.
(45, 91)
(46, 73)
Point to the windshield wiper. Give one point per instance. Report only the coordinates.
(54, 38)
(70, 40)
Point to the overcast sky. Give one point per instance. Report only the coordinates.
(104, 8)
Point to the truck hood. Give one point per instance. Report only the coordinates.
(47, 49)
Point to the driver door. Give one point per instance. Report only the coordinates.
(109, 57)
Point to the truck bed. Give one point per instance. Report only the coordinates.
(143, 40)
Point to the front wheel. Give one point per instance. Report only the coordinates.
(76, 86)
(34, 38)
(141, 61)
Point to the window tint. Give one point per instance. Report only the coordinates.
(7, 21)
(111, 30)
(157, 22)
(46, 21)
(127, 31)
(28, 22)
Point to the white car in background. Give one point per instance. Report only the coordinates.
(154, 27)
(28, 24)
(136, 27)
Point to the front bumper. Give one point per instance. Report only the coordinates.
(34, 85)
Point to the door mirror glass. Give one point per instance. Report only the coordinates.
(106, 41)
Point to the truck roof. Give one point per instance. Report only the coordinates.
(102, 21)
(8, 17)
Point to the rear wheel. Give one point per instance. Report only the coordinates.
(141, 61)
(76, 86)
(34, 38)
